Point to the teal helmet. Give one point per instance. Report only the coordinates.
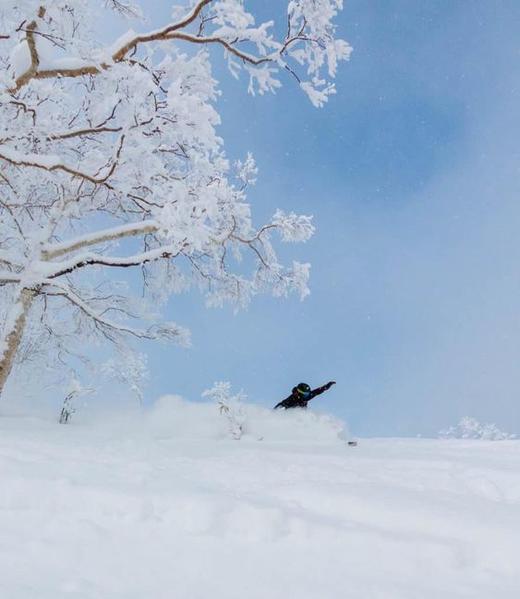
(303, 389)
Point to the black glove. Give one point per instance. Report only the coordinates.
(329, 384)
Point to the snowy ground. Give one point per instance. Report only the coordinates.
(165, 510)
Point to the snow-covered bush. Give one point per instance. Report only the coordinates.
(230, 406)
(110, 161)
(470, 428)
(74, 392)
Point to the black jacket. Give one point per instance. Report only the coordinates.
(295, 400)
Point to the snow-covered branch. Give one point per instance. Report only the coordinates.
(83, 132)
(76, 68)
(7, 277)
(169, 331)
(58, 269)
(309, 41)
(55, 250)
(54, 163)
(159, 34)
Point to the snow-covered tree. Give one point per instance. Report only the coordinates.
(230, 406)
(471, 428)
(110, 162)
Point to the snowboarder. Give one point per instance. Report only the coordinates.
(301, 395)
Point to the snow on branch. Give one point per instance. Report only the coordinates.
(55, 250)
(7, 277)
(309, 43)
(293, 227)
(54, 163)
(58, 269)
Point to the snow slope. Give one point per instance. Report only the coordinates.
(164, 507)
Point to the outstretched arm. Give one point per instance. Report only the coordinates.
(283, 404)
(320, 390)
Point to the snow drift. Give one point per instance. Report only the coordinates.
(175, 418)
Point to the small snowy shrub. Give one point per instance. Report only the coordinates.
(74, 391)
(471, 428)
(230, 406)
(129, 368)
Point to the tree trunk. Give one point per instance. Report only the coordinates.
(13, 332)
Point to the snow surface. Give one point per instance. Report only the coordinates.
(164, 506)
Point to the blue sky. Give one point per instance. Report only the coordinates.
(411, 173)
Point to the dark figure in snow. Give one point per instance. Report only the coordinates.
(301, 395)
